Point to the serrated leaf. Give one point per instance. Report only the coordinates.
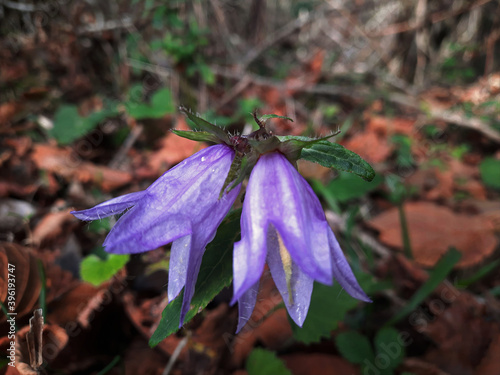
(161, 104)
(333, 155)
(198, 136)
(264, 362)
(490, 172)
(216, 273)
(96, 271)
(201, 124)
(265, 117)
(354, 347)
(387, 342)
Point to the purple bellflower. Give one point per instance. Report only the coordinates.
(283, 223)
(182, 207)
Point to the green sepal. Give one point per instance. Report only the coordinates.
(291, 146)
(333, 155)
(204, 125)
(265, 145)
(199, 136)
(240, 169)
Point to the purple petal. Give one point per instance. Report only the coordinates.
(249, 256)
(301, 284)
(183, 200)
(111, 207)
(342, 271)
(178, 269)
(246, 304)
(193, 267)
(277, 194)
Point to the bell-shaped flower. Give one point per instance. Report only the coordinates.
(182, 207)
(283, 223)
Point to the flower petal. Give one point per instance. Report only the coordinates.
(111, 207)
(277, 194)
(342, 271)
(178, 269)
(246, 304)
(181, 201)
(249, 256)
(301, 285)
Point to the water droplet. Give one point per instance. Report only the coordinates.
(203, 158)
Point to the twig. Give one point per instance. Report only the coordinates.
(340, 222)
(279, 35)
(97, 27)
(126, 146)
(402, 27)
(23, 7)
(175, 355)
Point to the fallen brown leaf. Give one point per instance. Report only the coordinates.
(64, 162)
(433, 229)
(53, 225)
(369, 145)
(318, 364)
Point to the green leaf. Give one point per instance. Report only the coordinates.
(354, 347)
(161, 104)
(347, 186)
(264, 362)
(333, 155)
(387, 341)
(490, 172)
(198, 136)
(216, 273)
(437, 275)
(96, 270)
(204, 125)
(69, 125)
(265, 117)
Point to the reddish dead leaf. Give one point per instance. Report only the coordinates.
(20, 145)
(139, 358)
(419, 367)
(388, 126)
(24, 269)
(318, 364)
(369, 145)
(8, 111)
(68, 308)
(308, 75)
(173, 149)
(64, 162)
(491, 361)
(433, 229)
(53, 225)
(28, 282)
(459, 350)
(145, 316)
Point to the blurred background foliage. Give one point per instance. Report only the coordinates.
(89, 91)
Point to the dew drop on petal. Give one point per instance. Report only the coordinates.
(203, 158)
